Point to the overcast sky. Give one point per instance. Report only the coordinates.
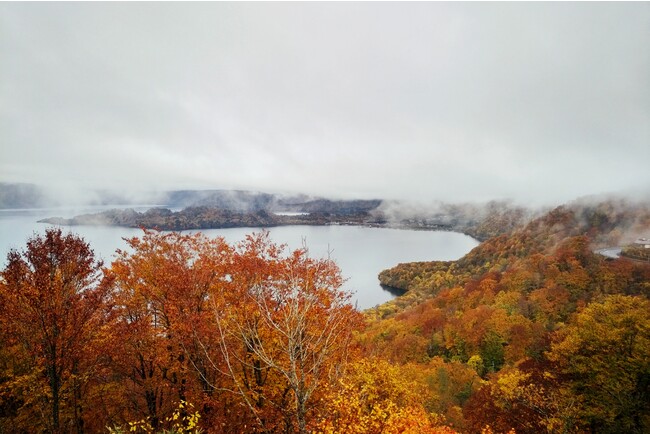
(448, 101)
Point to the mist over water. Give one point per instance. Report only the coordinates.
(360, 252)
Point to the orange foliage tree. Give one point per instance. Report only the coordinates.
(284, 326)
(249, 332)
(52, 298)
(162, 304)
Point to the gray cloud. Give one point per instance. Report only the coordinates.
(439, 101)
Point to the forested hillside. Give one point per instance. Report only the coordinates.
(530, 331)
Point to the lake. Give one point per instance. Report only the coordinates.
(360, 252)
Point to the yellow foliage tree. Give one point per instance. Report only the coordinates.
(605, 352)
(376, 397)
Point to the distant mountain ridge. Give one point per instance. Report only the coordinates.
(14, 195)
(23, 196)
(232, 200)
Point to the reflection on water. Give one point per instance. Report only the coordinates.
(360, 252)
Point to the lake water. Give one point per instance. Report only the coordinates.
(360, 252)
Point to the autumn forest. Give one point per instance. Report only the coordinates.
(530, 332)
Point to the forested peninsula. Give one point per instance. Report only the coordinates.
(203, 217)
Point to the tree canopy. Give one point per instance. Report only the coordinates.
(530, 331)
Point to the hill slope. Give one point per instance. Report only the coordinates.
(489, 332)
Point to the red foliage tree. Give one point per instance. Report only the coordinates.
(53, 297)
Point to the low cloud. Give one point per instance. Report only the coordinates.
(539, 103)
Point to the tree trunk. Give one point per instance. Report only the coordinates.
(54, 387)
(301, 414)
(76, 391)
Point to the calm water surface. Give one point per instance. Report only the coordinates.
(360, 252)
